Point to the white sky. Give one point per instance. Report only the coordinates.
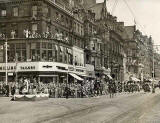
(147, 14)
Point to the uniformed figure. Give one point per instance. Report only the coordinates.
(66, 92)
(111, 89)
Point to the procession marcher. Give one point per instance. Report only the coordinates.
(76, 91)
(56, 91)
(111, 87)
(81, 90)
(7, 90)
(13, 89)
(114, 88)
(101, 88)
(66, 92)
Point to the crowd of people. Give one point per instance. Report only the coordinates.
(88, 88)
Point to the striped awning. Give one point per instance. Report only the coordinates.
(61, 48)
(76, 77)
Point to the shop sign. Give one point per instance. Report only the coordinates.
(61, 68)
(27, 67)
(12, 68)
(8, 68)
(47, 66)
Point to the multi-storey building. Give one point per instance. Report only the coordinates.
(45, 38)
(92, 41)
(131, 50)
(101, 33)
(116, 47)
(139, 54)
(51, 38)
(156, 66)
(145, 55)
(111, 33)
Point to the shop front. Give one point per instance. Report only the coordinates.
(45, 72)
(40, 70)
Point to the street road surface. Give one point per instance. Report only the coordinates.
(124, 108)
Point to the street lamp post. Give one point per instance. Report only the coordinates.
(153, 65)
(6, 61)
(153, 89)
(16, 79)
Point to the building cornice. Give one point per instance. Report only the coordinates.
(19, 1)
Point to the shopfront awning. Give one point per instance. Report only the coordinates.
(88, 76)
(135, 79)
(76, 77)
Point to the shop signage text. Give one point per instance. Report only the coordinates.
(8, 68)
(47, 66)
(27, 67)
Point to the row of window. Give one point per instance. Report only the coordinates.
(78, 28)
(62, 19)
(14, 12)
(49, 52)
(91, 29)
(21, 52)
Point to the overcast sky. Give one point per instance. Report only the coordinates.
(147, 15)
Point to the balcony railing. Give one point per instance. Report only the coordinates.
(46, 35)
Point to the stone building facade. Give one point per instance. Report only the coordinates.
(43, 31)
(69, 35)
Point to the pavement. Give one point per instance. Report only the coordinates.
(123, 108)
